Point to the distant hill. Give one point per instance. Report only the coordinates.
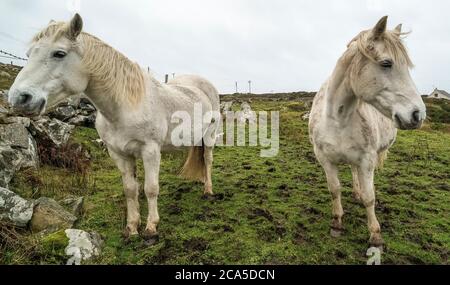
(292, 96)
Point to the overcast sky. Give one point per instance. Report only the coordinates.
(281, 45)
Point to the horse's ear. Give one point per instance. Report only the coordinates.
(75, 27)
(380, 28)
(398, 29)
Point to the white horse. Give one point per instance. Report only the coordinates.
(134, 110)
(356, 114)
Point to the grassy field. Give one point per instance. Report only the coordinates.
(266, 211)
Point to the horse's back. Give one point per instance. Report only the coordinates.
(201, 83)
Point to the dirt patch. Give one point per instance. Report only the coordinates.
(300, 235)
(174, 210)
(196, 244)
(259, 212)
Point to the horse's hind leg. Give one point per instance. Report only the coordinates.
(356, 186)
(151, 156)
(208, 156)
(127, 167)
(335, 188)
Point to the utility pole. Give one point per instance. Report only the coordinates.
(249, 87)
(237, 91)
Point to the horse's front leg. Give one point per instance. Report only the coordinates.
(335, 188)
(366, 182)
(151, 156)
(127, 167)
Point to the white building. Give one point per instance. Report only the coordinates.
(439, 94)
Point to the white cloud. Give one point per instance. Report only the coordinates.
(280, 45)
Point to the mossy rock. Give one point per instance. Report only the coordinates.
(55, 242)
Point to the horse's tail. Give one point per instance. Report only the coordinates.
(194, 168)
(382, 158)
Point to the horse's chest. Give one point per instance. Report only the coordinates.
(121, 140)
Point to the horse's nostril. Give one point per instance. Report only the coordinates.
(416, 117)
(25, 98)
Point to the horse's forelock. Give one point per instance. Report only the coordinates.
(54, 30)
(392, 42)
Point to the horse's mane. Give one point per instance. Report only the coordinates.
(392, 42)
(111, 72)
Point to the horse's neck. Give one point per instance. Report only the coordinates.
(341, 100)
(104, 104)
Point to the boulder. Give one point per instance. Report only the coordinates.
(64, 113)
(82, 246)
(17, 120)
(83, 121)
(87, 107)
(4, 97)
(3, 112)
(49, 216)
(14, 135)
(51, 132)
(74, 204)
(5, 74)
(17, 151)
(14, 209)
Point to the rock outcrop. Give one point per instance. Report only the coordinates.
(14, 210)
(17, 148)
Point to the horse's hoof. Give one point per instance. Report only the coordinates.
(128, 235)
(208, 197)
(376, 241)
(336, 233)
(150, 237)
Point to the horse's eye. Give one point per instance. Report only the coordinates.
(59, 54)
(387, 63)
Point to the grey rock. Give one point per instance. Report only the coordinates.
(82, 246)
(3, 112)
(14, 135)
(75, 204)
(17, 120)
(83, 121)
(64, 113)
(5, 74)
(51, 132)
(15, 154)
(49, 216)
(14, 209)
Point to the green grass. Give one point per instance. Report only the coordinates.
(267, 210)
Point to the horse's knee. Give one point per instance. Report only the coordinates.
(131, 188)
(151, 190)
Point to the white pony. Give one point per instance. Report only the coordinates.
(134, 110)
(356, 114)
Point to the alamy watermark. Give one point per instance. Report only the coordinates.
(212, 128)
(374, 256)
